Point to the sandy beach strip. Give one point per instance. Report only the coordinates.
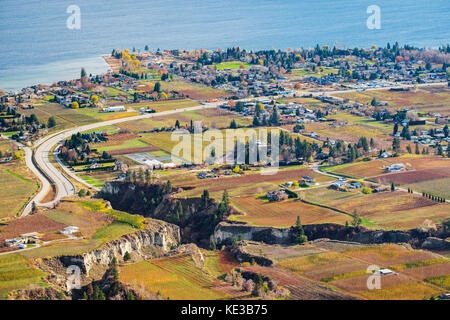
(113, 63)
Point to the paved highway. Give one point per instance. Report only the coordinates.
(48, 174)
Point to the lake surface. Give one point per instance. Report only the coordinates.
(37, 47)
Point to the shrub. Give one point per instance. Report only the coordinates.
(301, 239)
(366, 190)
(248, 285)
(136, 221)
(291, 194)
(127, 256)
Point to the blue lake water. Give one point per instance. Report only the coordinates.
(37, 47)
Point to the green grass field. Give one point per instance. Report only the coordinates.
(210, 118)
(64, 117)
(98, 178)
(437, 187)
(108, 129)
(159, 154)
(15, 190)
(16, 273)
(232, 65)
(134, 221)
(165, 105)
(133, 143)
(325, 195)
(362, 121)
(113, 231)
(62, 248)
(309, 73)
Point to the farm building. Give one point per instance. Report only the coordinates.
(306, 181)
(386, 155)
(386, 272)
(395, 167)
(381, 189)
(338, 185)
(444, 296)
(69, 230)
(288, 184)
(354, 185)
(114, 109)
(21, 241)
(276, 195)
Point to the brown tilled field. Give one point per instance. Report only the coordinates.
(283, 214)
(118, 138)
(434, 270)
(392, 210)
(71, 213)
(115, 140)
(363, 169)
(190, 89)
(226, 261)
(300, 288)
(347, 270)
(319, 272)
(132, 150)
(421, 162)
(415, 176)
(375, 168)
(32, 223)
(249, 183)
(389, 255)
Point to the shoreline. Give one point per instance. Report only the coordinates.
(47, 74)
(113, 63)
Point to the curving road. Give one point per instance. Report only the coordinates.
(39, 162)
(38, 159)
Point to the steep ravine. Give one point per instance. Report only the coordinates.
(195, 216)
(431, 239)
(158, 235)
(158, 238)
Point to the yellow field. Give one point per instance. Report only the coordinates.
(282, 214)
(347, 270)
(164, 105)
(189, 89)
(175, 277)
(435, 99)
(394, 210)
(163, 140)
(5, 146)
(16, 273)
(408, 291)
(17, 185)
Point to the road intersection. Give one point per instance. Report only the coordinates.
(38, 157)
